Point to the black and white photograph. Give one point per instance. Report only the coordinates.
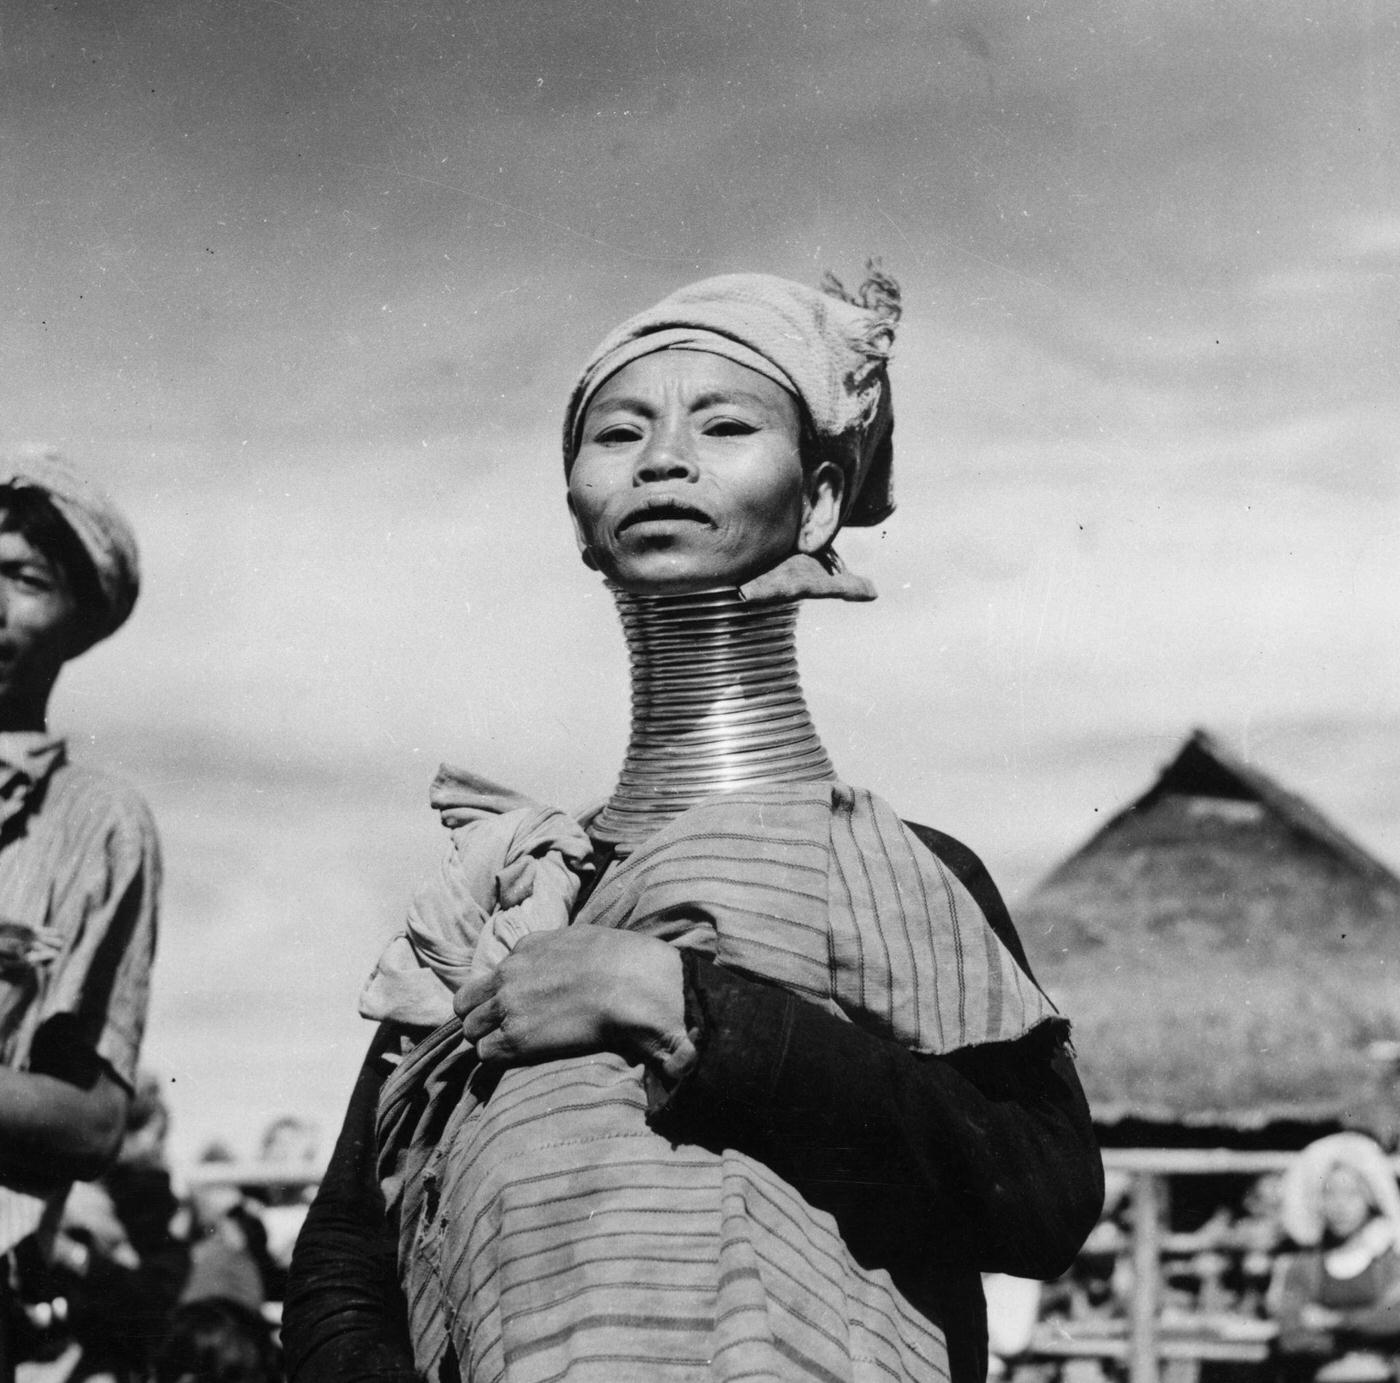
(697, 690)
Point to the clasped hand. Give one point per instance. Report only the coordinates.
(581, 989)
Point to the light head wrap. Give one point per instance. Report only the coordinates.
(1300, 1193)
(99, 526)
(826, 346)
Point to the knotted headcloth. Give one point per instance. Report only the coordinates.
(99, 526)
(1300, 1194)
(827, 346)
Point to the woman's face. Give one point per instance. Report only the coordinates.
(1346, 1201)
(688, 476)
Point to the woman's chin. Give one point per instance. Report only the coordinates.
(677, 578)
(678, 586)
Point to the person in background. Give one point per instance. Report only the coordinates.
(215, 1340)
(1259, 1232)
(289, 1144)
(79, 867)
(118, 1263)
(289, 1141)
(228, 1253)
(244, 1233)
(1337, 1300)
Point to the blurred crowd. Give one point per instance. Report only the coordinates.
(149, 1280)
(1306, 1260)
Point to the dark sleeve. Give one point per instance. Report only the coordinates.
(1358, 1326)
(344, 1318)
(984, 1158)
(1297, 1286)
(1379, 1322)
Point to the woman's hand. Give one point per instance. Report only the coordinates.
(582, 989)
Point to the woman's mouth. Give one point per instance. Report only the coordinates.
(663, 511)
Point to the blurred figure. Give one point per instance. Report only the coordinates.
(117, 1262)
(228, 1243)
(1259, 1231)
(79, 869)
(215, 1340)
(1337, 1301)
(289, 1144)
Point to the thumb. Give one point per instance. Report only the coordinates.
(473, 992)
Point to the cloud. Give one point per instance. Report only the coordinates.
(1373, 238)
(309, 281)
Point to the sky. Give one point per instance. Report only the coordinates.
(305, 282)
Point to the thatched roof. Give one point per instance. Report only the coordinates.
(1227, 955)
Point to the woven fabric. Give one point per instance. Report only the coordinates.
(827, 347)
(546, 1232)
(512, 868)
(27, 757)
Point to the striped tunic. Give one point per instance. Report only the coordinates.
(79, 876)
(547, 1232)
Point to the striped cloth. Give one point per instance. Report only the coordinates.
(547, 1233)
(79, 875)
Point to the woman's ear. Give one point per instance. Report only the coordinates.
(824, 487)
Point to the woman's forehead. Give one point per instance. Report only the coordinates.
(694, 375)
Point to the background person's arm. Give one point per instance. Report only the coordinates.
(61, 1120)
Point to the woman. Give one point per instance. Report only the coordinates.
(750, 1079)
(1337, 1303)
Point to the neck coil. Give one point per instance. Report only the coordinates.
(716, 707)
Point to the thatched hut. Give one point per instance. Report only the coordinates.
(1228, 956)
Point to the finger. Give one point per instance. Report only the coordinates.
(495, 1046)
(474, 991)
(484, 1018)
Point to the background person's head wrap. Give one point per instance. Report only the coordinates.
(99, 526)
(827, 346)
(1300, 1192)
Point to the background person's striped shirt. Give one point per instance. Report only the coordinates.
(80, 873)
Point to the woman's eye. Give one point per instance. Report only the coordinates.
(618, 432)
(729, 427)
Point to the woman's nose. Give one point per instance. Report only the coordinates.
(668, 455)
